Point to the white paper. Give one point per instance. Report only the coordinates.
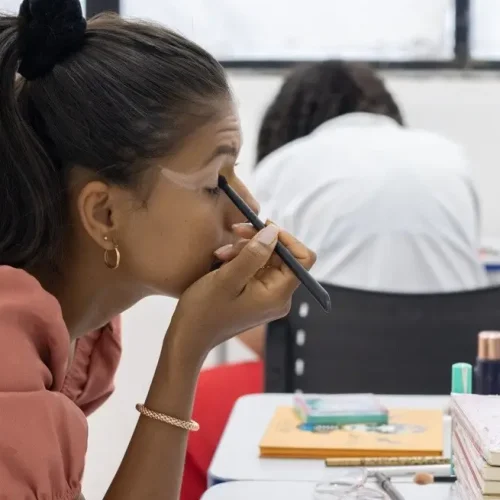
(387, 30)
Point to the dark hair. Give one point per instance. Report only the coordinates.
(317, 92)
(108, 96)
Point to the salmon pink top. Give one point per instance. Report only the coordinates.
(43, 403)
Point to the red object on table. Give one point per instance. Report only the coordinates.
(218, 390)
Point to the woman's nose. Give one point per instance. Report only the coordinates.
(244, 192)
(250, 200)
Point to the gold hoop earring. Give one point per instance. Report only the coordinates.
(109, 262)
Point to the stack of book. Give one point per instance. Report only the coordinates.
(476, 445)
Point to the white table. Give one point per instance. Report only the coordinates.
(272, 490)
(237, 456)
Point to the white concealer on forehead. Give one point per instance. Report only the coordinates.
(207, 177)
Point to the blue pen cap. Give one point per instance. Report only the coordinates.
(461, 378)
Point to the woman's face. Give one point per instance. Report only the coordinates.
(168, 244)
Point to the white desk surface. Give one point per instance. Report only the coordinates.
(237, 456)
(272, 490)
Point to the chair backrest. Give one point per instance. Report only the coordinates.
(377, 342)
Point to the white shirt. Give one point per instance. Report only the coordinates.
(385, 207)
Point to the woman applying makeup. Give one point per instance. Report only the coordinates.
(90, 115)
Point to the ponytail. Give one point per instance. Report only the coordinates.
(30, 186)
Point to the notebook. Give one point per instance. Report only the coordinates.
(466, 491)
(464, 459)
(485, 472)
(479, 417)
(408, 433)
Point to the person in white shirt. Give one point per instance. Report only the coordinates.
(385, 207)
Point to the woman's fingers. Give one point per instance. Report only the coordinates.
(229, 252)
(298, 249)
(280, 275)
(303, 254)
(235, 275)
(274, 274)
(244, 230)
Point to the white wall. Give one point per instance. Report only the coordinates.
(464, 108)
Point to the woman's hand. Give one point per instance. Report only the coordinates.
(252, 287)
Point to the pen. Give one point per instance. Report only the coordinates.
(385, 461)
(316, 290)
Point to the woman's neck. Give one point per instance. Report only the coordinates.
(87, 301)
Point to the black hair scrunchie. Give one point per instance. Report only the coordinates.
(48, 31)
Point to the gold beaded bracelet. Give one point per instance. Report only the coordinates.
(190, 425)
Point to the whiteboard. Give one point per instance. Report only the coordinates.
(12, 6)
(267, 30)
(484, 30)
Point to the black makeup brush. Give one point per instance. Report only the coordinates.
(317, 291)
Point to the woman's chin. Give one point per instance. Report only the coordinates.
(184, 284)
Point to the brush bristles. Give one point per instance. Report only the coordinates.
(423, 478)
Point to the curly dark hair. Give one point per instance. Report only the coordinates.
(317, 92)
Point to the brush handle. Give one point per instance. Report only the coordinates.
(385, 483)
(445, 479)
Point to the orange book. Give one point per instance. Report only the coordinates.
(408, 433)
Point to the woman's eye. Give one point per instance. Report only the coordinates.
(215, 191)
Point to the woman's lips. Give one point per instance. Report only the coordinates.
(216, 264)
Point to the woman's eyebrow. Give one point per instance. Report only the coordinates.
(223, 150)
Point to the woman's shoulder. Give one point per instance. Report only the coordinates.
(19, 290)
(34, 341)
(34, 345)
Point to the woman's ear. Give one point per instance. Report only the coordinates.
(98, 208)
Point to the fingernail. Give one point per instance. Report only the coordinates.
(268, 234)
(242, 224)
(220, 252)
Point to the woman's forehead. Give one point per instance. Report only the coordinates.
(220, 137)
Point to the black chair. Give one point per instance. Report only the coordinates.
(382, 343)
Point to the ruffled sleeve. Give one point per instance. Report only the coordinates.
(90, 379)
(43, 434)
